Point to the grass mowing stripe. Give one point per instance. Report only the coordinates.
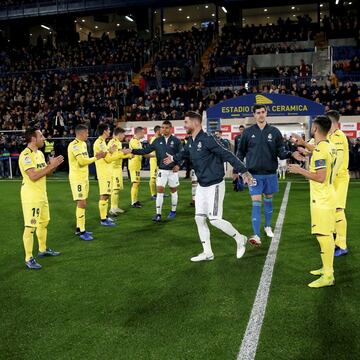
(253, 329)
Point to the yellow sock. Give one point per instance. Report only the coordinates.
(340, 228)
(103, 208)
(28, 240)
(80, 219)
(115, 199)
(134, 192)
(152, 185)
(327, 253)
(41, 233)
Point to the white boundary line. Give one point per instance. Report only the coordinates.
(252, 334)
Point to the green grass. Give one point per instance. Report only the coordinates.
(132, 293)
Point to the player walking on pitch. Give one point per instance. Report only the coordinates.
(34, 200)
(322, 198)
(207, 156)
(167, 174)
(262, 145)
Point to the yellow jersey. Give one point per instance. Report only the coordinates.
(79, 160)
(339, 139)
(153, 160)
(135, 162)
(103, 166)
(117, 164)
(322, 195)
(32, 190)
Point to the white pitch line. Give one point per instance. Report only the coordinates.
(252, 334)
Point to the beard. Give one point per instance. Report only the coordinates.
(189, 131)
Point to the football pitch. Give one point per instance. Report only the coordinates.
(133, 293)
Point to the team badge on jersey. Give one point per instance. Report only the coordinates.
(27, 160)
(199, 146)
(269, 137)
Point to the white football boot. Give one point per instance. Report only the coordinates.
(240, 246)
(269, 232)
(255, 240)
(202, 257)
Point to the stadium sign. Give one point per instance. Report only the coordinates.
(276, 104)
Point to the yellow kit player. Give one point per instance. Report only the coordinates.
(135, 166)
(153, 164)
(104, 171)
(322, 198)
(117, 176)
(34, 198)
(79, 162)
(341, 181)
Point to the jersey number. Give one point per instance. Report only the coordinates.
(35, 211)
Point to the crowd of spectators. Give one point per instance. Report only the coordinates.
(126, 48)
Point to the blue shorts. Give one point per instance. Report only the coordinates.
(266, 184)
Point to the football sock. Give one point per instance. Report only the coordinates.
(327, 253)
(80, 219)
(115, 199)
(256, 217)
(268, 210)
(28, 240)
(152, 186)
(340, 229)
(226, 227)
(134, 192)
(204, 233)
(193, 190)
(159, 202)
(174, 200)
(103, 208)
(41, 233)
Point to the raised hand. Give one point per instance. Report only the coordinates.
(113, 148)
(294, 168)
(100, 155)
(297, 139)
(54, 162)
(297, 156)
(126, 151)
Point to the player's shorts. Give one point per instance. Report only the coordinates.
(209, 200)
(105, 185)
(117, 180)
(265, 184)
(153, 171)
(341, 185)
(135, 176)
(193, 176)
(79, 189)
(169, 177)
(322, 220)
(282, 164)
(35, 213)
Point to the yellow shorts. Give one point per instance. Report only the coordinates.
(153, 171)
(79, 189)
(135, 176)
(341, 185)
(117, 180)
(105, 185)
(322, 220)
(35, 213)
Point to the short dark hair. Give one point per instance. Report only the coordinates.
(333, 115)
(30, 133)
(241, 127)
(157, 128)
(167, 122)
(193, 115)
(102, 127)
(81, 127)
(119, 130)
(258, 107)
(324, 123)
(138, 129)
